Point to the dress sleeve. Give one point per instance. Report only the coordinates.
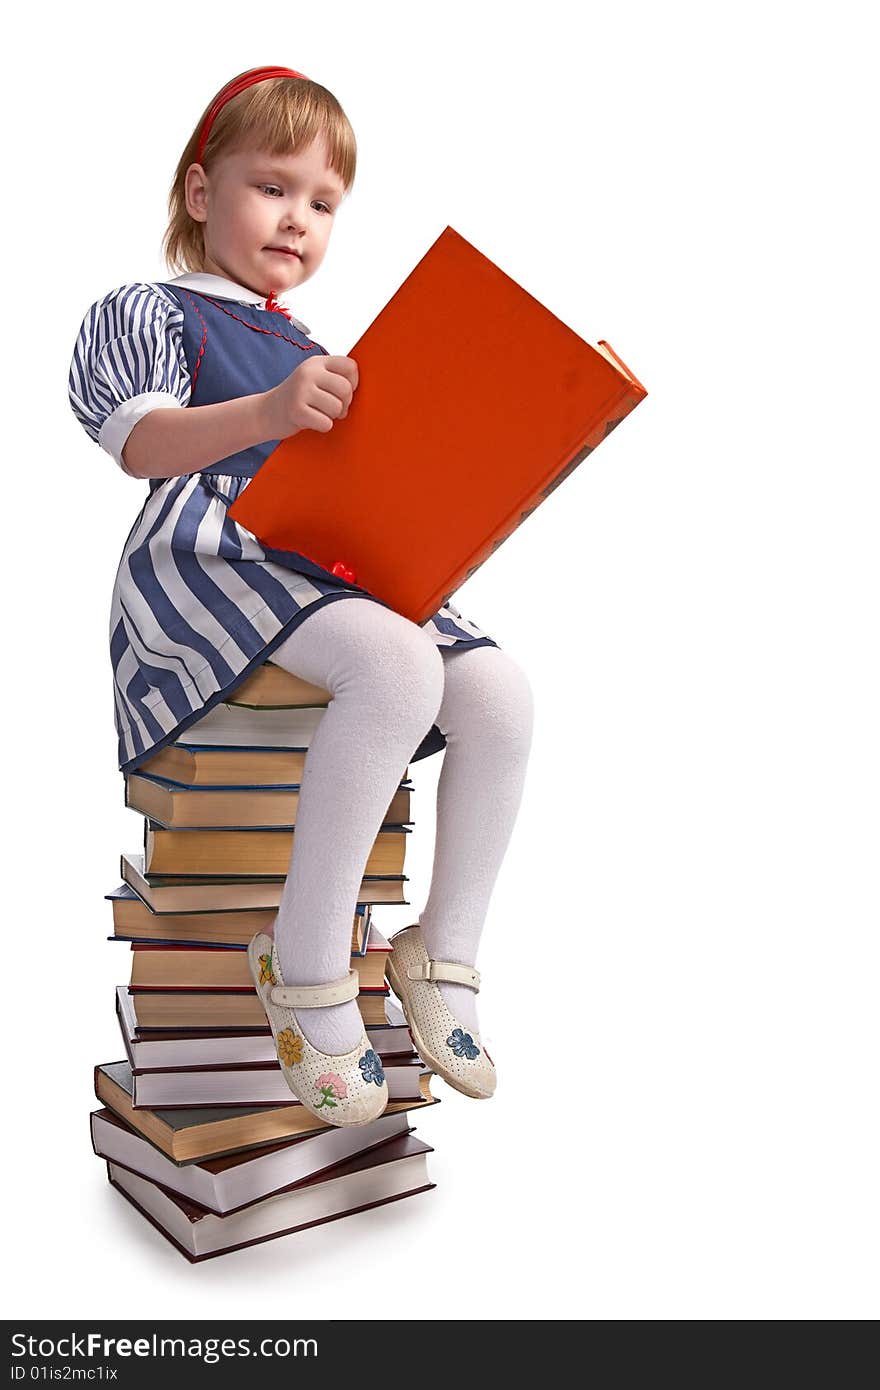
(128, 360)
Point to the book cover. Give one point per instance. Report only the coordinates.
(457, 431)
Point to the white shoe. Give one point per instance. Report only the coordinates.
(441, 1041)
(349, 1089)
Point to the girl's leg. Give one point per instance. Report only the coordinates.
(487, 715)
(385, 678)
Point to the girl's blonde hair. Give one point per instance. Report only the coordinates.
(278, 116)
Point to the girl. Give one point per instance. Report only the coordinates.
(198, 604)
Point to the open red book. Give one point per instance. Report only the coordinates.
(473, 403)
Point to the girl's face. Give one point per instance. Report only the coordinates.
(258, 208)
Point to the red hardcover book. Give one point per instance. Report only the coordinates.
(473, 403)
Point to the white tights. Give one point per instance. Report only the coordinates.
(388, 683)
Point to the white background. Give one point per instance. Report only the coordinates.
(680, 961)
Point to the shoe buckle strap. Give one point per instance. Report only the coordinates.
(448, 970)
(316, 996)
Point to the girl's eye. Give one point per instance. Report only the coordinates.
(272, 189)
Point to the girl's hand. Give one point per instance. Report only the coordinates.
(314, 395)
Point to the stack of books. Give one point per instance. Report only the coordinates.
(198, 1128)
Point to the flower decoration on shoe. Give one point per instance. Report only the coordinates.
(334, 1087)
(330, 1085)
(462, 1044)
(372, 1067)
(290, 1047)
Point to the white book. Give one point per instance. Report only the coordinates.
(224, 1185)
(265, 1085)
(239, 726)
(230, 1049)
(392, 1170)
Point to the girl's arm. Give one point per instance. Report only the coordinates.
(129, 388)
(166, 443)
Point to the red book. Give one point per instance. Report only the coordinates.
(473, 403)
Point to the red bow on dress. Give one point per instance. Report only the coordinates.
(272, 303)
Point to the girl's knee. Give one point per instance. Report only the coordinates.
(361, 649)
(486, 690)
(391, 662)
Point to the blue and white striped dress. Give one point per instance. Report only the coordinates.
(197, 604)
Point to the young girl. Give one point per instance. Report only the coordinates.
(198, 604)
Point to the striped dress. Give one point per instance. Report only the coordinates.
(198, 603)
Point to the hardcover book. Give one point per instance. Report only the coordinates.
(157, 1049)
(167, 893)
(473, 403)
(187, 1136)
(384, 1173)
(172, 965)
(135, 920)
(222, 1185)
(176, 805)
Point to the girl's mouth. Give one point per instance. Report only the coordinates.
(281, 251)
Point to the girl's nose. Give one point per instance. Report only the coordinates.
(296, 216)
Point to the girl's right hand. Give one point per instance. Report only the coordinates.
(316, 393)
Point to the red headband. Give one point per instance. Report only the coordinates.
(232, 89)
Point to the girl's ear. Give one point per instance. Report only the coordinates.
(195, 189)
